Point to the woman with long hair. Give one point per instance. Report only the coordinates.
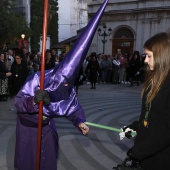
(152, 143)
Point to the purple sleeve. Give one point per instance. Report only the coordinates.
(77, 117)
(25, 104)
(24, 100)
(70, 108)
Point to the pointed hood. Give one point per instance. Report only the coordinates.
(63, 100)
(68, 70)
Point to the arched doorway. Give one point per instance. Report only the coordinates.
(123, 41)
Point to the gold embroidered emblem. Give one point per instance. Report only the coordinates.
(145, 123)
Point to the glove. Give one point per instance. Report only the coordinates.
(126, 131)
(42, 95)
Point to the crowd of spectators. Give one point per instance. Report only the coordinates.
(16, 66)
(117, 69)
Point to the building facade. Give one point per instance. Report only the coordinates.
(73, 16)
(132, 22)
(23, 8)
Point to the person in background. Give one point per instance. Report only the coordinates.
(4, 74)
(57, 60)
(122, 70)
(19, 72)
(134, 68)
(85, 63)
(35, 60)
(7, 61)
(11, 56)
(30, 67)
(48, 62)
(54, 57)
(39, 55)
(116, 68)
(79, 80)
(104, 66)
(99, 59)
(62, 55)
(23, 53)
(36, 68)
(5, 48)
(152, 142)
(93, 70)
(109, 71)
(128, 65)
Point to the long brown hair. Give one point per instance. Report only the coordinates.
(159, 44)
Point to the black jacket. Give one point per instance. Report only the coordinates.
(3, 70)
(152, 143)
(93, 68)
(19, 74)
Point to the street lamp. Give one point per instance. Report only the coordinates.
(104, 35)
(23, 36)
(24, 42)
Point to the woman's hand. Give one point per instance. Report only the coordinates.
(84, 128)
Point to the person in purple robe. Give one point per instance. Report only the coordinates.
(59, 99)
(26, 102)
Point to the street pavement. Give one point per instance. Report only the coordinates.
(109, 105)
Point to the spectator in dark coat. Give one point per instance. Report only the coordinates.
(134, 68)
(79, 80)
(19, 72)
(49, 64)
(93, 69)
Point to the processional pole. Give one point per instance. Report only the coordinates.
(44, 37)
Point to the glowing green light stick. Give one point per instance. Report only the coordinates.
(106, 127)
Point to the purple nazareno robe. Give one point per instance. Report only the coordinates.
(63, 102)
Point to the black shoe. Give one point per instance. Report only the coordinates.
(91, 88)
(130, 85)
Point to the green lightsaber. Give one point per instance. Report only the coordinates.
(106, 127)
